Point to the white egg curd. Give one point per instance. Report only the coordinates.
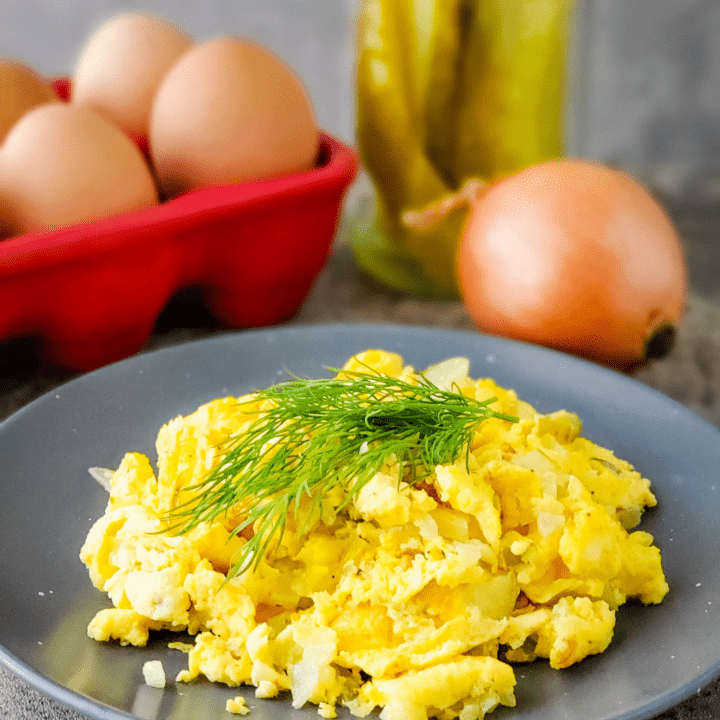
(411, 586)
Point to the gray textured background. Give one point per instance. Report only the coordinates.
(651, 80)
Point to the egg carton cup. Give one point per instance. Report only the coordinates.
(92, 292)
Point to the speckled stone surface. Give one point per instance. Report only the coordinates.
(689, 374)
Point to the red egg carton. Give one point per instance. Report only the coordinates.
(93, 292)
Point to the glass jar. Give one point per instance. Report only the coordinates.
(450, 93)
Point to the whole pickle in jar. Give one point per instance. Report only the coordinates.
(390, 131)
(512, 94)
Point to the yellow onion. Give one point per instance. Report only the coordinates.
(576, 256)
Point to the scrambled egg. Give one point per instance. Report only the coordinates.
(414, 599)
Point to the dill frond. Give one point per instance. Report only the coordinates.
(314, 436)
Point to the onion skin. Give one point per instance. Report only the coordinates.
(575, 256)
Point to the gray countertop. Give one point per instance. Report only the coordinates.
(690, 374)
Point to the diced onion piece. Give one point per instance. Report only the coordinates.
(548, 523)
(154, 674)
(449, 372)
(103, 476)
(534, 460)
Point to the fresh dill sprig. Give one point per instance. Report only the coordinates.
(314, 436)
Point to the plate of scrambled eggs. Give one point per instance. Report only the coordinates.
(360, 521)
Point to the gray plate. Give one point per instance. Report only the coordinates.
(660, 655)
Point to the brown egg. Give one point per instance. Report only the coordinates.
(63, 164)
(21, 89)
(230, 111)
(6, 229)
(122, 65)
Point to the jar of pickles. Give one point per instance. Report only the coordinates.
(450, 92)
